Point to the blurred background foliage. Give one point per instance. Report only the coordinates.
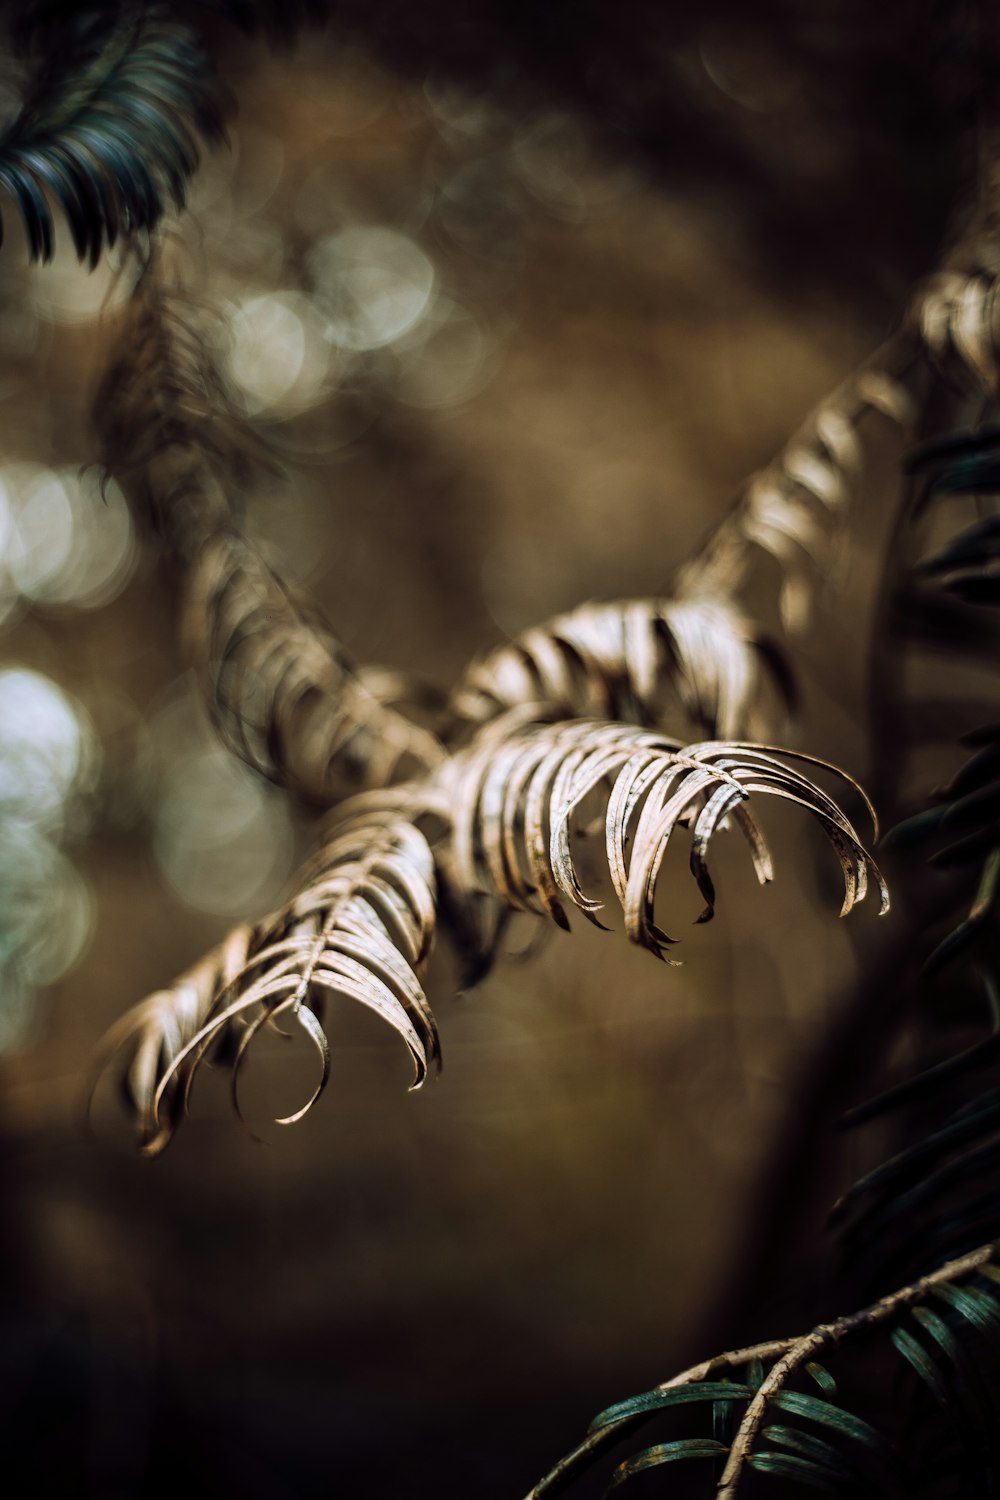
(518, 294)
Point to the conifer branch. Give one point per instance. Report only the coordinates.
(283, 692)
(360, 926)
(635, 661)
(111, 126)
(950, 330)
(784, 1355)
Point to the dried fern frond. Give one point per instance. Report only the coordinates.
(959, 322)
(941, 1325)
(166, 425)
(145, 1042)
(284, 694)
(514, 794)
(111, 128)
(360, 927)
(955, 310)
(790, 508)
(631, 661)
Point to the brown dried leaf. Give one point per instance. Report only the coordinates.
(515, 793)
(361, 927)
(166, 424)
(959, 319)
(630, 661)
(282, 693)
(791, 508)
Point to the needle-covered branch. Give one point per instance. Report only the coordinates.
(283, 692)
(515, 796)
(769, 1369)
(636, 661)
(794, 506)
(112, 126)
(360, 927)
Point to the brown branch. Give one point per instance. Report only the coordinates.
(360, 927)
(282, 691)
(800, 1350)
(789, 1354)
(788, 507)
(950, 329)
(640, 661)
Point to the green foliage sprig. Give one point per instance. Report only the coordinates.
(939, 1324)
(110, 130)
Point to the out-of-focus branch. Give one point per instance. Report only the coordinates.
(950, 332)
(786, 1356)
(283, 692)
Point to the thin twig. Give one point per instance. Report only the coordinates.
(800, 1350)
(788, 1353)
(782, 507)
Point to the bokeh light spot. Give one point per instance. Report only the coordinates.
(64, 541)
(223, 840)
(372, 284)
(46, 749)
(48, 755)
(278, 358)
(66, 292)
(452, 364)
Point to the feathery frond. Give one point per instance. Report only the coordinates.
(790, 508)
(166, 424)
(284, 694)
(827, 1446)
(965, 465)
(280, 689)
(938, 1192)
(360, 927)
(115, 147)
(956, 314)
(165, 415)
(633, 661)
(514, 794)
(110, 131)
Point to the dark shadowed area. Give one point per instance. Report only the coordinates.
(518, 295)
